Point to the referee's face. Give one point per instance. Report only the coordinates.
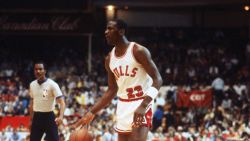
(39, 71)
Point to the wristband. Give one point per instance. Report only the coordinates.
(152, 92)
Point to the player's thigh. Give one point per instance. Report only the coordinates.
(124, 137)
(139, 134)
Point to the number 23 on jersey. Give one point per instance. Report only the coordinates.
(134, 92)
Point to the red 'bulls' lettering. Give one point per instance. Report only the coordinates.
(124, 71)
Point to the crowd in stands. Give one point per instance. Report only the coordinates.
(187, 59)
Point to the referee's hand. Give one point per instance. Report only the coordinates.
(59, 120)
(85, 120)
(30, 125)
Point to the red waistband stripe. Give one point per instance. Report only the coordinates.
(128, 100)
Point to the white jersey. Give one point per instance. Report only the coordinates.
(44, 95)
(131, 77)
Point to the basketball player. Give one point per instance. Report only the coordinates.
(134, 78)
(44, 92)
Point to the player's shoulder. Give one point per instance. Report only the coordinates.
(139, 49)
(137, 45)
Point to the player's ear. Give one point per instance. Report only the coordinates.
(122, 32)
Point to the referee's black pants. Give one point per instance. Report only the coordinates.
(44, 122)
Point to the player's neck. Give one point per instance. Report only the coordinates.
(121, 48)
(123, 44)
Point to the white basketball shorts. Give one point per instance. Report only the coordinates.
(125, 114)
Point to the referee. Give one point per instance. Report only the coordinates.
(44, 93)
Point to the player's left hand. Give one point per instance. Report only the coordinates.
(59, 120)
(139, 116)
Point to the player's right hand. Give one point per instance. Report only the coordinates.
(85, 120)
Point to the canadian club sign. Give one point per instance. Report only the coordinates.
(49, 22)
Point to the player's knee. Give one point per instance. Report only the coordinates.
(137, 138)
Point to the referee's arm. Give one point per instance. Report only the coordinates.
(31, 112)
(31, 105)
(60, 101)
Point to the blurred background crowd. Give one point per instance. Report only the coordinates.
(192, 60)
(199, 45)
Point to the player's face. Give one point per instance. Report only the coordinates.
(112, 33)
(39, 71)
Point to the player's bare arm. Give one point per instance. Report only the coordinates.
(105, 99)
(143, 56)
(61, 102)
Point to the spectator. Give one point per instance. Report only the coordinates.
(157, 117)
(160, 100)
(218, 88)
(3, 136)
(240, 90)
(107, 136)
(15, 136)
(226, 102)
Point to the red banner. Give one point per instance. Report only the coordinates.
(14, 121)
(195, 98)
